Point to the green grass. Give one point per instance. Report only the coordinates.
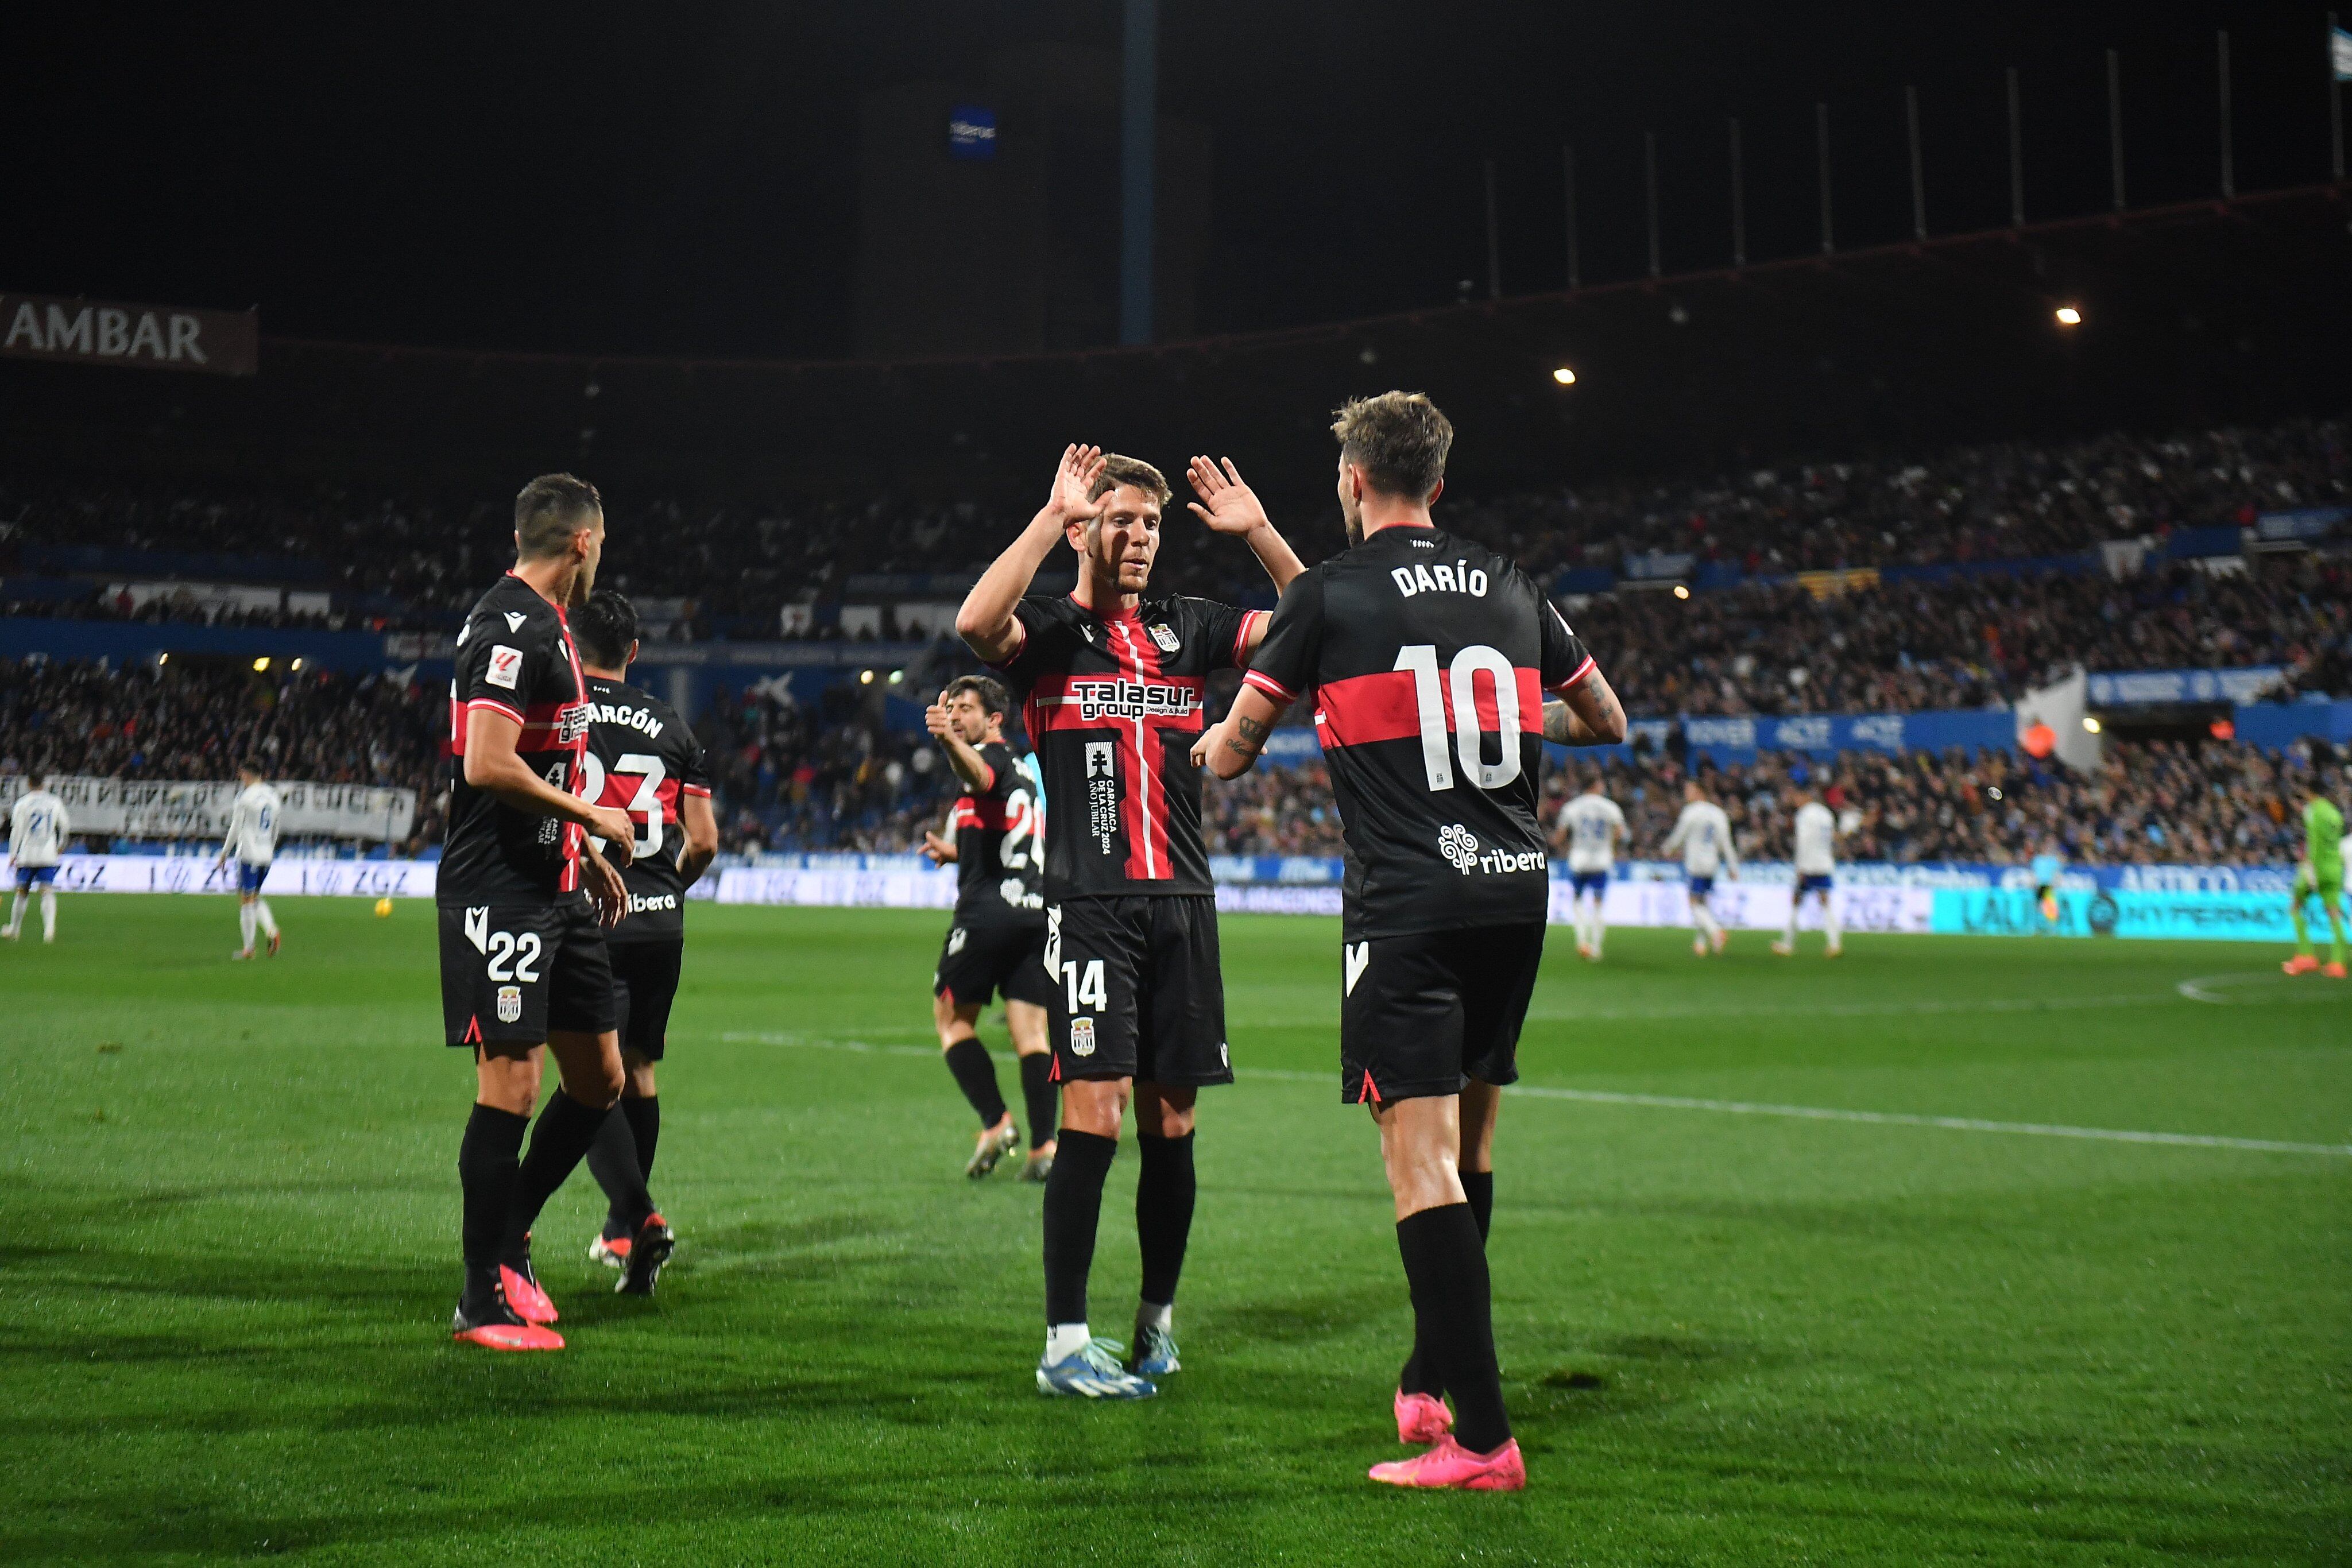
(230, 1209)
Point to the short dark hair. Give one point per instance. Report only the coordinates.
(605, 627)
(252, 765)
(1399, 439)
(550, 510)
(1118, 470)
(992, 694)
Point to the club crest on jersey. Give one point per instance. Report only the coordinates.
(1459, 845)
(1131, 699)
(1082, 1036)
(1165, 635)
(509, 1004)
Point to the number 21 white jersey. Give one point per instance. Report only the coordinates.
(1594, 823)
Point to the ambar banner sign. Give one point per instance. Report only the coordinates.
(154, 337)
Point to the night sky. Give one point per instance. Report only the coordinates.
(681, 180)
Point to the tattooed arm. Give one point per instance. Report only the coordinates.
(1231, 748)
(1587, 714)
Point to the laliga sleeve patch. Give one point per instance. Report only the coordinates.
(506, 666)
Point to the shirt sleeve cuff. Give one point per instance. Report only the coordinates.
(1006, 662)
(1269, 686)
(701, 790)
(500, 706)
(1251, 620)
(1582, 670)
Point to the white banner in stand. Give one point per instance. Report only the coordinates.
(162, 808)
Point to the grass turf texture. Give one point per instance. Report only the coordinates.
(231, 1210)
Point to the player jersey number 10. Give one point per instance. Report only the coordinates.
(645, 806)
(1469, 742)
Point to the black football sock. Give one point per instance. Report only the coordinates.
(1073, 1208)
(644, 1116)
(1445, 1266)
(1479, 1187)
(618, 1164)
(1420, 1374)
(975, 1074)
(1164, 1191)
(1044, 1100)
(565, 1129)
(485, 1172)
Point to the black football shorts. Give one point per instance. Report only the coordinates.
(1419, 1014)
(982, 957)
(512, 973)
(1137, 989)
(645, 984)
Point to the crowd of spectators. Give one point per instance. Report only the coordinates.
(829, 774)
(2151, 802)
(194, 720)
(1967, 642)
(740, 563)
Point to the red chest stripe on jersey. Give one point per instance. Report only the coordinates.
(987, 812)
(1363, 709)
(1146, 851)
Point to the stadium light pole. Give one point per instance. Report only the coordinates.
(2335, 105)
(1650, 193)
(1822, 139)
(1494, 240)
(1139, 147)
(2116, 125)
(2229, 159)
(1739, 204)
(1918, 184)
(1567, 176)
(2016, 157)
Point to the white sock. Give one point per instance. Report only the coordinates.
(48, 915)
(1153, 1315)
(1600, 924)
(17, 901)
(245, 927)
(1830, 923)
(1704, 918)
(1064, 1341)
(261, 913)
(1583, 924)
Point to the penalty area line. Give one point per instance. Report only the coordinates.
(1719, 1107)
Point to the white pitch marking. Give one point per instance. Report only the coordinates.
(2202, 989)
(1723, 1107)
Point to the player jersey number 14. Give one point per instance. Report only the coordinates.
(1469, 742)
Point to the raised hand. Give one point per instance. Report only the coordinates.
(1081, 466)
(935, 718)
(1226, 504)
(937, 849)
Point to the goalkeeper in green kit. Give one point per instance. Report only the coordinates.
(2321, 873)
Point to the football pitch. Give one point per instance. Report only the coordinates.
(1872, 1261)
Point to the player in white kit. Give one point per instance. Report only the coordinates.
(1703, 834)
(252, 838)
(38, 831)
(1592, 823)
(1817, 831)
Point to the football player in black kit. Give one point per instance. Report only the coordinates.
(645, 762)
(997, 941)
(1429, 657)
(524, 896)
(1113, 687)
